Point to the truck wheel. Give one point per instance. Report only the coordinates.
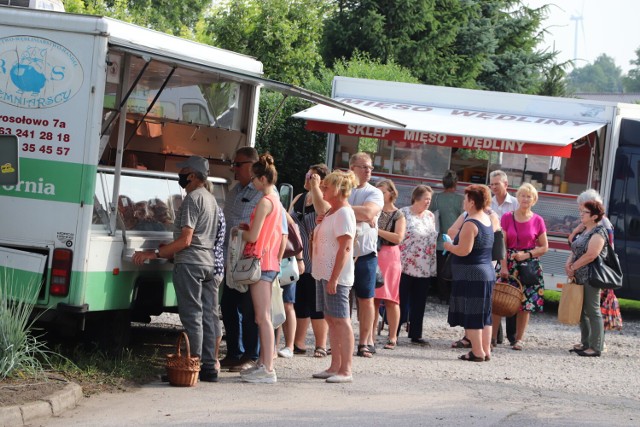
(109, 330)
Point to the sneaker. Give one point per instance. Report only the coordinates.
(250, 368)
(286, 353)
(260, 375)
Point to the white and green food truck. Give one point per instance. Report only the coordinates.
(103, 111)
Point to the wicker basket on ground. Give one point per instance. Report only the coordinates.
(183, 370)
(507, 298)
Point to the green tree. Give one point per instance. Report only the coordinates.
(283, 34)
(515, 64)
(489, 44)
(554, 83)
(632, 81)
(603, 76)
(293, 147)
(168, 16)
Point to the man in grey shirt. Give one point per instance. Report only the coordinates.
(196, 226)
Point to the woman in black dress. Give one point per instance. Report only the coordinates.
(473, 274)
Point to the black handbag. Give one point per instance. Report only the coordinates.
(527, 272)
(606, 273)
(498, 251)
(447, 272)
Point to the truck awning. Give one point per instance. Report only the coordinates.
(241, 68)
(452, 127)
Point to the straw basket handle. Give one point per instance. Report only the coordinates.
(520, 286)
(185, 337)
(518, 282)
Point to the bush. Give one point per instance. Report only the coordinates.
(20, 351)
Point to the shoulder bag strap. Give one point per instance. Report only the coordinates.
(513, 218)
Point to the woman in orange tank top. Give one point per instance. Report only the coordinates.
(263, 236)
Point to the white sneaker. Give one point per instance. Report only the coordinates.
(285, 352)
(246, 371)
(260, 375)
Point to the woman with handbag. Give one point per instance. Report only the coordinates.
(333, 268)
(447, 206)
(526, 241)
(473, 274)
(305, 208)
(418, 256)
(587, 246)
(264, 236)
(391, 229)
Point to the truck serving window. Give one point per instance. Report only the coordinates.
(146, 203)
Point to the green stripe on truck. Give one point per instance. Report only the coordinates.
(107, 291)
(54, 180)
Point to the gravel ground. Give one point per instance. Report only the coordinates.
(544, 364)
(542, 386)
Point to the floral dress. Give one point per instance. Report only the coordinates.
(418, 249)
(534, 294)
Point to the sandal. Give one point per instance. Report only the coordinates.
(462, 343)
(390, 345)
(363, 351)
(319, 352)
(298, 350)
(578, 347)
(372, 348)
(518, 345)
(470, 357)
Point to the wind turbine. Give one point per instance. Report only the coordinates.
(578, 19)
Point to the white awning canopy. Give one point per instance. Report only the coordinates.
(452, 127)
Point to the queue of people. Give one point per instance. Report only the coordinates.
(349, 230)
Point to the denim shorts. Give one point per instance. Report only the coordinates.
(289, 293)
(336, 305)
(268, 275)
(364, 282)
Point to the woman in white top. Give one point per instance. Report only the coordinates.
(333, 268)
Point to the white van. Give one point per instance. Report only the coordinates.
(103, 111)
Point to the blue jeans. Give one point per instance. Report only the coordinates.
(240, 327)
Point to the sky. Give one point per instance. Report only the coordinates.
(607, 26)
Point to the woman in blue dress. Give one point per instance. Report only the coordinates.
(473, 274)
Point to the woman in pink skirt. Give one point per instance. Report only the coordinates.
(391, 228)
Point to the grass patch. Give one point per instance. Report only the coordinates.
(97, 371)
(21, 353)
(627, 306)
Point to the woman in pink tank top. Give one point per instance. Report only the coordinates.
(263, 236)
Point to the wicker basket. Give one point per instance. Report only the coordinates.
(183, 370)
(507, 299)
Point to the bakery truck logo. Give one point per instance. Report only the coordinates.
(37, 73)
